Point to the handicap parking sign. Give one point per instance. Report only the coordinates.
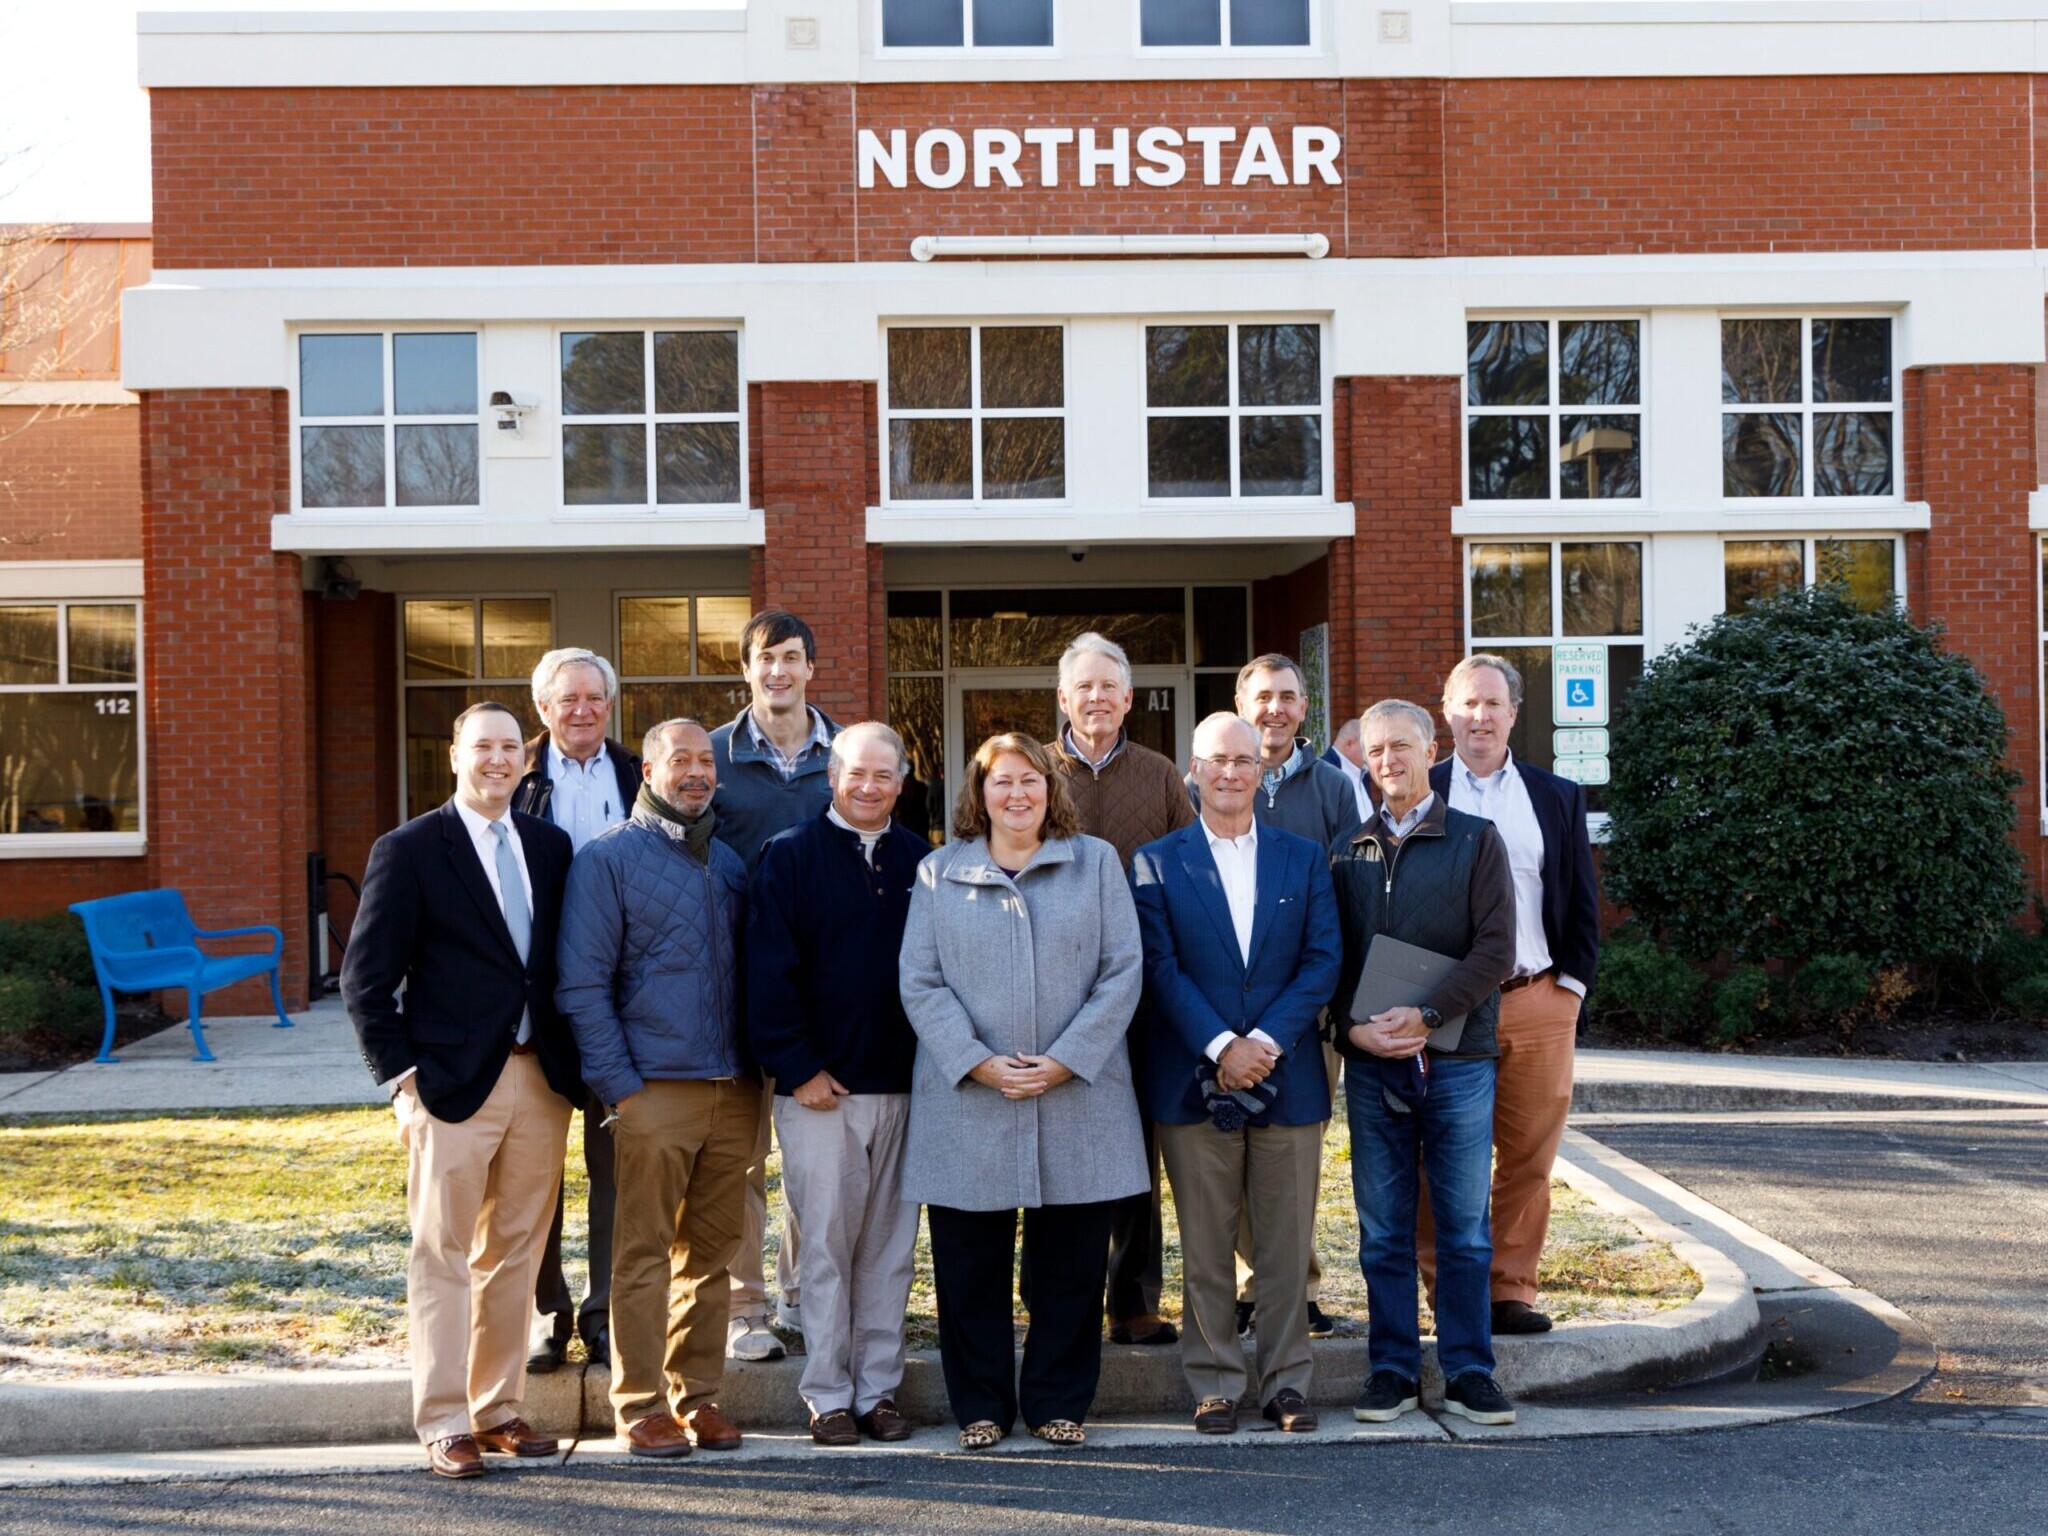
(1579, 677)
(1580, 692)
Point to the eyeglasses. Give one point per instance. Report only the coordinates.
(1225, 764)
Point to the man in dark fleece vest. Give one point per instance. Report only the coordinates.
(1439, 879)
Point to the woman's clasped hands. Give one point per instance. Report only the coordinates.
(1018, 1076)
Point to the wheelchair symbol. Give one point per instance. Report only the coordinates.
(1578, 692)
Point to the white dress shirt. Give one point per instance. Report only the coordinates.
(1503, 799)
(1361, 786)
(486, 842)
(1237, 864)
(585, 799)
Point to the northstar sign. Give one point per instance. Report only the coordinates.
(1157, 157)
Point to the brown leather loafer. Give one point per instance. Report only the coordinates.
(656, 1435)
(834, 1428)
(456, 1456)
(516, 1437)
(711, 1430)
(1148, 1328)
(1216, 1416)
(883, 1422)
(1290, 1411)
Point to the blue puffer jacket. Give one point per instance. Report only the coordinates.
(650, 960)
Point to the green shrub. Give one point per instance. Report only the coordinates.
(1829, 988)
(27, 1001)
(1658, 990)
(52, 946)
(2028, 997)
(21, 1003)
(2011, 958)
(1803, 779)
(1742, 1003)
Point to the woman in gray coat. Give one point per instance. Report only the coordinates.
(1020, 973)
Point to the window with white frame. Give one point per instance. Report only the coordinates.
(652, 419)
(1226, 23)
(967, 23)
(1525, 598)
(388, 419)
(1866, 569)
(1554, 410)
(459, 651)
(1234, 410)
(70, 720)
(1808, 406)
(975, 413)
(679, 654)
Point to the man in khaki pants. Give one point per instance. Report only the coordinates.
(650, 983)
(461, 906)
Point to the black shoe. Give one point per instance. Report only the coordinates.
(547, 1356)
(1386, 1397)
(1290, 1413)
(1144, 1330)
(1518, 1317)
(1244, 1318)
(1475, 1396)
(1320, 1324)
(597, 1347)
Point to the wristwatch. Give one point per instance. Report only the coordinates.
(1431, 1019)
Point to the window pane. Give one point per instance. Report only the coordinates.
(603, 374)
(28, 645)
(1603, 589)
(101, 643)
(1507, 362)
(1021, 368)
(429, 715)
(67, 762)
(604, 466)
(1187, 365)
(436, 466)
(1510, 457)
(1030, 627)
(1852, 360)
(1279, 365)
(1852, 453)
(1269, 23)
(697, 462)
(917, 713)
(434, 375)
(1013, 23)
(1188, 455)
(1599, 457)
(1214, 691)
(1755, 569)
(923, 23)
(440, 638)
(1181, 23)
(696, 372)
(517, 632)
(914, 632)
(928, 369)
(1599, 362)
(1530, 737)
(341, 466)
(1222, 635)
(654, 637)
(1510, 590)
(642, 706)
(341, 375)
(1023, 458)
(719, 622)
(1862, 566)
(1760, 362)
(1280, 456)
(931, 459)
(1760, 454)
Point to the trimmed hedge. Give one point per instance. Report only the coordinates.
(46, 977)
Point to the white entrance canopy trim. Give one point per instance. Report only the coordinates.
(935, 247)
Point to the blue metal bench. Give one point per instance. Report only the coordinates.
(144, 941)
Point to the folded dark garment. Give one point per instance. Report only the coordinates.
(1404, 1081)
(1232, 1109)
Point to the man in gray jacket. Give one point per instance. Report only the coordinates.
(650, 982)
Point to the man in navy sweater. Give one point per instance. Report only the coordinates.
(825, 1020)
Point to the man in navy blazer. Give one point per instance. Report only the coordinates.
(462, 906)
(1542, 819)
(1242, 948)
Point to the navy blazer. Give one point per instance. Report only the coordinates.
(1571, 893)
(1198, 987)
(427, 918)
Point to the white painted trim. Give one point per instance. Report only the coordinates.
(304, 534)
(2037, 509)
(932, 247)
(1269, 522)
(72, 845)
(69, 579)
(1817, 516)
(44, 392)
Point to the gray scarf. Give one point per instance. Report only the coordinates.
(693, 833)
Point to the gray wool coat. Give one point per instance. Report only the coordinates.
(1048, 965)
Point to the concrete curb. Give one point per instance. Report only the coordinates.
(1614, 1098)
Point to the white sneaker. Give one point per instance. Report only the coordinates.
(789, 1314)
(748, 1338)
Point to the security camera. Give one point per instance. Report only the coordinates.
(511, 411)
(1077, 553)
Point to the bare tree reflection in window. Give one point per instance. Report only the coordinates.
(437, 466)
(1507, 362)
(1599, 457)
(1510, 590)
(1852, 453)
(341, 467)
(1603, 588)
(1599, 362)
(1760, 362)
(1760, 454)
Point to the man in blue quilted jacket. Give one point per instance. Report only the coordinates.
(650, 979)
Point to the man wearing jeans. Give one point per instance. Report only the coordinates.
(1439, 879)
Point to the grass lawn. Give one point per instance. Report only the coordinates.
(140, 1244)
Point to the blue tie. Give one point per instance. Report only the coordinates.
(511, 892)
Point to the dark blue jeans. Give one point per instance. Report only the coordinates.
(1451, 1133)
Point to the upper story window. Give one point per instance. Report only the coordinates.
(976, 413)
(1553, 410)
(1808, 407)
(1234, 410)
(388, 420)
(70, 719)
(967, 23)
(1226, 23)
(684, 451)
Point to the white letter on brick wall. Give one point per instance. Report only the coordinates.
(1117, 157)
(995, 154)
(1317, 149)
(933, 140)
(1158, 146)
(891, 159)
(1048, 141)
(1261, 157)
(1212, 141)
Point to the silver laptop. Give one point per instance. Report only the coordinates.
(1399, 975)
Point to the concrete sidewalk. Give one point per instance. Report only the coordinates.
(1690, 1081)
